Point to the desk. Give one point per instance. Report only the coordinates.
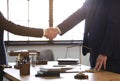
(13, 74)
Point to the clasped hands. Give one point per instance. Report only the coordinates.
(51, 33)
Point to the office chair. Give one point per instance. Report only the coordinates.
(46, 54)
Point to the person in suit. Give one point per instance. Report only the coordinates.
(15, 29)
(101, 35)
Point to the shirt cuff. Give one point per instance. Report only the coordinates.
(58, 30)
(44, 32)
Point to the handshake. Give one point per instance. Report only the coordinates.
(51, 33)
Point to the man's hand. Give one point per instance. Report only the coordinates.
(51, 33)
(101, 61)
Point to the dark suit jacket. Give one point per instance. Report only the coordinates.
(15, 29)
(102, 25)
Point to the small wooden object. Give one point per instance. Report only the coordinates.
(81, 76)
(25, 69)
(41, 62)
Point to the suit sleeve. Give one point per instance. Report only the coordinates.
(72, 20)
(19, 30)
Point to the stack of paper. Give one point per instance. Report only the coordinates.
(68, 61)
(52, 70)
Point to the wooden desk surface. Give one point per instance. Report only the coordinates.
(14, 75)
